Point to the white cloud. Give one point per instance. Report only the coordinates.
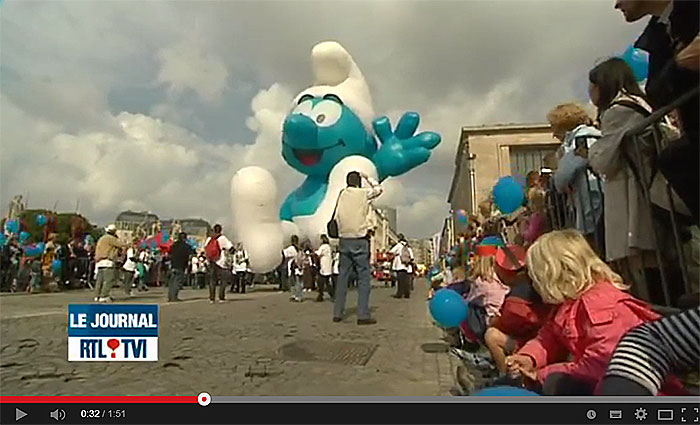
(149, 164)
(422, 217)
(64, 136)
(188, 65)
(394, 193)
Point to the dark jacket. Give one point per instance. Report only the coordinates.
(180, 255)
(666, 81)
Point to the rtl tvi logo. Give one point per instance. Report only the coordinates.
(112, 332)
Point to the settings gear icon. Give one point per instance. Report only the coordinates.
(640, 414)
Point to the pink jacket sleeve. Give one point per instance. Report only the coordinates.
(599, 342)
(545, 349)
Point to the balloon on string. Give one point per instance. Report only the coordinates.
(508, 195)
(505, 391)
(24, 237)
(56, 266)
(41, 220)
(638, 60)
(12, 226)
(462, 217)
(448, 308)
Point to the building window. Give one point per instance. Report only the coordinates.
(524, 159)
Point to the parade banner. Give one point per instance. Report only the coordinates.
(108, 333)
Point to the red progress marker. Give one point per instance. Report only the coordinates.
(97, 399)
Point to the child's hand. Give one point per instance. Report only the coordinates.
(522, 365)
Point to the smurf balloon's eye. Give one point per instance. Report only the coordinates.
(304, 108)
(326, 113)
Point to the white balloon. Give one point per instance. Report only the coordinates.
(256, 212)
(256, 217)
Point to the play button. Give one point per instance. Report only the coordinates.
(19, 414)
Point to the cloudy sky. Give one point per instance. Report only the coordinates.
(155, 105)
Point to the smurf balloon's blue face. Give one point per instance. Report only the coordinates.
(321, 131)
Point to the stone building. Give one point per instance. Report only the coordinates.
(143, 224)
(485, 154)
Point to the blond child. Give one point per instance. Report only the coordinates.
(593, 312)
(486, 293)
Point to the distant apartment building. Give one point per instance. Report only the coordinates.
(131, 224)
(391, 216)
(422, 250)
(385, 237)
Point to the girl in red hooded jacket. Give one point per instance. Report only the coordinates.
(570, 353)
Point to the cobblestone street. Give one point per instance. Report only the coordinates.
(255, 344)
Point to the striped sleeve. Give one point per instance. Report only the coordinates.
(649, 353)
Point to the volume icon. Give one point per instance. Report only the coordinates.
(58, 414)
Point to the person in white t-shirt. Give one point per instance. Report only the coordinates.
(129, 269)
(325, 256)
(217, 258)
(296, 269)
(336, 270)
(240, 269)
(289, 253)
(403, 260)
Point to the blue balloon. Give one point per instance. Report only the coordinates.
(165, 236)
(508, 195)
(41, 220)
(24, 237)
(505, 391)
(448, 308)
(56, 266)
(638, 60)
(34, 250)
(12, 226)
(521, 180)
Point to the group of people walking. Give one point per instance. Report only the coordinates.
(221, 263)
(306, 270)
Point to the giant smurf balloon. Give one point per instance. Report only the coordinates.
(329, 132)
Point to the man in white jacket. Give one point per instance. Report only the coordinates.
(355, 221)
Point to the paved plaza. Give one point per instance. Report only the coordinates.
(255, 344)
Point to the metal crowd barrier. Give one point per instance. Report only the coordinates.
(641, 147)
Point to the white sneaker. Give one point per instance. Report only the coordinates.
(211, 302)
(96, 299)
(105, 300)
(222, 301)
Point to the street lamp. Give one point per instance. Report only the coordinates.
(472, 181)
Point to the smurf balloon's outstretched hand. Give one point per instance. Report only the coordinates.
(402, 150)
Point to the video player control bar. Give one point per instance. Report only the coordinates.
(350, 413)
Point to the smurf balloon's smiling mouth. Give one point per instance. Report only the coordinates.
(311, 157)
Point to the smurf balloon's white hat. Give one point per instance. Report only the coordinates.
(335, 72)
